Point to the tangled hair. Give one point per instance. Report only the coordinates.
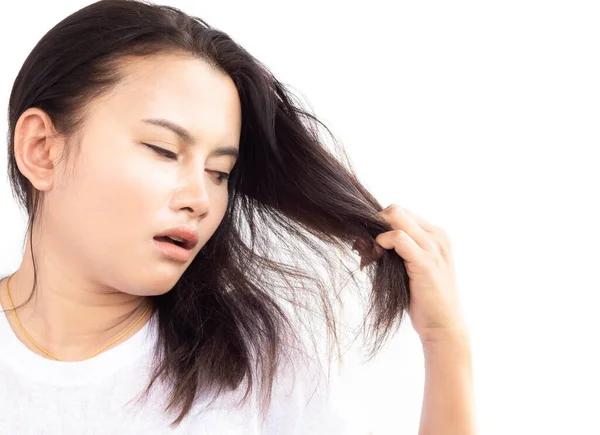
(235, 312)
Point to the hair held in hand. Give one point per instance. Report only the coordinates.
(295, 207)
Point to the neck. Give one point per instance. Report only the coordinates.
(67, 315)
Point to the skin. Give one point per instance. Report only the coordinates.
(96, 258)
(436, 316)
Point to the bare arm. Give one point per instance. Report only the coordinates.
(448, 402)
(436, 316)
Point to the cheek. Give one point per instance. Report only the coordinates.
(135, 194)
(118, 200)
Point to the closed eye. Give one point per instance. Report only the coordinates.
(222, 176)
(162, 151)
(171, 155)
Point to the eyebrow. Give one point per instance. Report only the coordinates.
(188, 139)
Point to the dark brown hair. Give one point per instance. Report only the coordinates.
(288, 194)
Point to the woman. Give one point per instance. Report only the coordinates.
(158, 163)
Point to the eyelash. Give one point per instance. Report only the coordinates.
(223, 176)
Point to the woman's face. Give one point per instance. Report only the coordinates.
(103, 213)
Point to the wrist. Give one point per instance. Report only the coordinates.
(457, 337)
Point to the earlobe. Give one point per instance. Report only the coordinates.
(35, 148)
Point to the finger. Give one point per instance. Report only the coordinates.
(423, 223)
(400, 220)
(402, 243)
(438, 234)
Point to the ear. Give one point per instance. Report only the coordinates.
(37, 148)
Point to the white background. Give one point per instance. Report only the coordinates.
(483, 118)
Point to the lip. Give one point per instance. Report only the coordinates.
(173, 251)
(186, 233)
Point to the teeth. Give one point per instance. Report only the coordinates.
(177, 239)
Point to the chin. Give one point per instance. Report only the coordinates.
(155, 284)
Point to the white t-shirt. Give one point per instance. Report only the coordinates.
(42, 396)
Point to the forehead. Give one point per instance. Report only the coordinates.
(183, 88)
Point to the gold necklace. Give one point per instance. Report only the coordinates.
(48, 353)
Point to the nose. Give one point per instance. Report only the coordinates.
(193, 199)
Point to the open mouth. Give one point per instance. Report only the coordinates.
(172, 241)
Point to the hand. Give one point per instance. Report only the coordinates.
(434, 308)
